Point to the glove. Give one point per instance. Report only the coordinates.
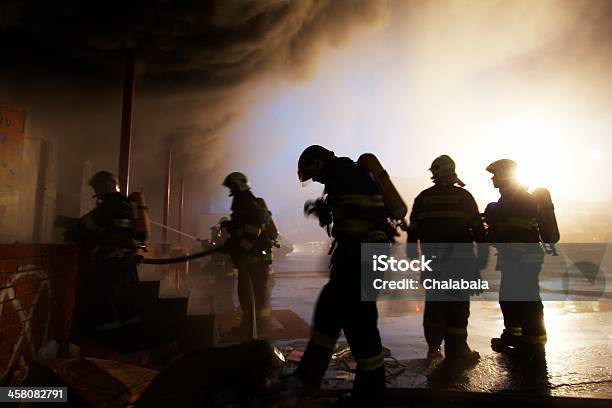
(225, 225)
(70, 226)
(320, 209)
(65, 222)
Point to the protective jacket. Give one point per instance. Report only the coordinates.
(248, 241)
(107, 229)
(106, 295)
(445, 213)
(513, 218)
(513, 225)
(357, 207)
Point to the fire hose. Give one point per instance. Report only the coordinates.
(180, 259)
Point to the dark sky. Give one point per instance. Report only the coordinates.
(182, 46)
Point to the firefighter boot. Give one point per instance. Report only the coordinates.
(532, 351)
(465, 358)
(458, 352)
(434, 353)
(506, 342)
(369, 388)
(434, 333)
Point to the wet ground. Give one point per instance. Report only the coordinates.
(578, 358)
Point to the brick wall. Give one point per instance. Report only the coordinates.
(37, 284)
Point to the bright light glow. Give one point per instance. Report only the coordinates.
(597, 154)
(441, 80)
(555, 317)
(546, 149)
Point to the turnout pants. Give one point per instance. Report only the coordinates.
(106, 307)
(520, 302)
(339, 308)
(447, 320)
(447, 311)
(258, 273)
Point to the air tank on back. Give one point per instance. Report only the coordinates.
(394, 204)
(547, 221)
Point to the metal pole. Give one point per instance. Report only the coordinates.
(167, 196)
(181, 205)
(129, 85)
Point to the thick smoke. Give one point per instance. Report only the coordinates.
(190, 54)
(462, 75)
(476, 80)
(187, 46)
(196, 66)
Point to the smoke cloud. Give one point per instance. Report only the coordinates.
(197, 64)
(477, 80)
(217, 83)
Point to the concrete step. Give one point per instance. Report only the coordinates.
(148, 296)
(166, 319)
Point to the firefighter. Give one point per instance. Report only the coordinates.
(353, 211)
(512, 227)
(106, 309)
(250, 249)
(445, 220)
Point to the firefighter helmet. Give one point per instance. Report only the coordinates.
(311, 161)
(503, 169)
(236, 181)
(443, 167)
(104, 182)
